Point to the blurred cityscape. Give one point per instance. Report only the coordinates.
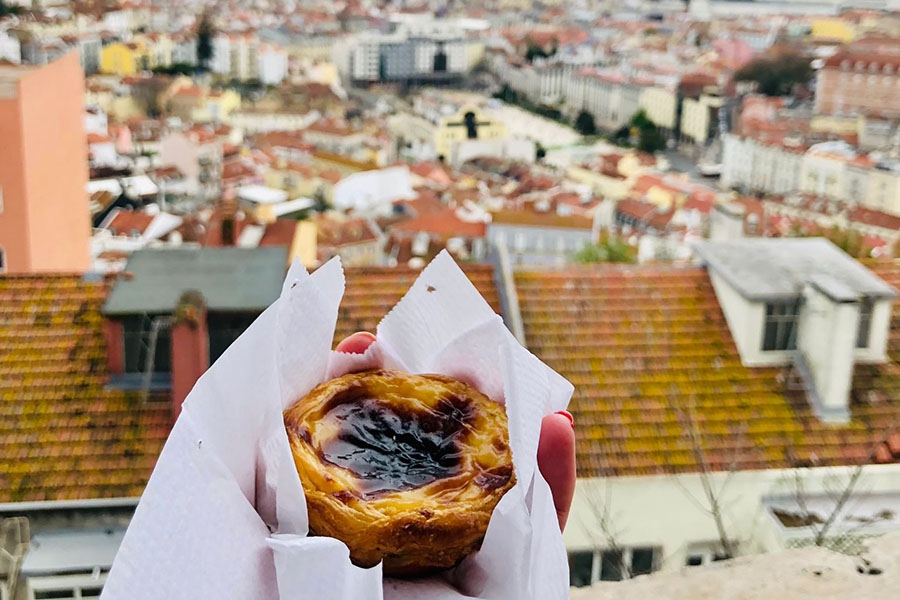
(691, 210)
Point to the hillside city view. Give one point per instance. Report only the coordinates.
(689, 209)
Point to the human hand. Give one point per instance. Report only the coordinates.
(556, 448)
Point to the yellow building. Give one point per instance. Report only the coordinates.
(833, 29)
(661, 106)
(467, 124)
(299, 181)
(119, 108)
(217, 106)
(474, 52)
(124, 59)
(615, 186)
(697, 116)
(161, 47)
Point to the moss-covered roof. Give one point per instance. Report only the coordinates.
(372, 291)
(657, 376)
(63, 435)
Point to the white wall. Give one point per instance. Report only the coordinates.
(663, 511)
(10, 48)
(880, 325)
(746, 320)
(827, 338)
(273, 63)
(221, 60)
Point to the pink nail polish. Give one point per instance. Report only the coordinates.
(569, 416)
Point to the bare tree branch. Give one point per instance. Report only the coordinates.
(713, 496)
(603, 518)
(841, 494)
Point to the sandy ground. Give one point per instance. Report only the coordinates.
(807, 574)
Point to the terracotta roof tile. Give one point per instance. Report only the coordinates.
(65, 435)
(445, 224)
(124, 222)
(867, 216)
(647, 347)
(373, 291)
(533, 219)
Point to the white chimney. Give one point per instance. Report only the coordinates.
(826, 341)
(727, 222)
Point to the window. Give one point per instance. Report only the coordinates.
(611, 565)
(704, 554)
(642, 561)
(581, 568)
(142, 333)
(2, 260)
(865, 323)
(587, 568)
(66, 587)
(224, 329)
(780, 332)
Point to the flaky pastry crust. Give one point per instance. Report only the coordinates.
(402, 468)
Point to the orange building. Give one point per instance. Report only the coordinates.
(44, 216)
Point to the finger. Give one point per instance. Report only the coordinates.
(556, 460)
(357, 343)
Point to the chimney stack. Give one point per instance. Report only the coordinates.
(826, 340)
(190, 346)
(229, 209)
(727, 222)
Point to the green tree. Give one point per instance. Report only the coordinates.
(205, 34)
(507, 94)
(778, 74)
(651, 140)
(534, 51)
(609, 250)
(8, 9)
(641, 120)
(175, 69)
(643, 133)
(584, 123)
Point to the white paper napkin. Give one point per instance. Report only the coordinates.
(224, 515)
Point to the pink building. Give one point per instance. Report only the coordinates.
(44, 216)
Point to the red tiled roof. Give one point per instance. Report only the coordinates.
(636, 209)
(646, 348)
(331, 128)
(65, 435)
(284, 139)
(126, 221)
(98, 138)
(865, 60)
(167, 172)
(237, 170)
(373, 291)
(335, 233)
(279, 233)
(533, 219)
(193, 91)
(875, 218)
(445, 224)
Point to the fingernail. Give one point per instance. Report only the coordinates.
(569, 416)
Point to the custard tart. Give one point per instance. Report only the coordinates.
(404, 469)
